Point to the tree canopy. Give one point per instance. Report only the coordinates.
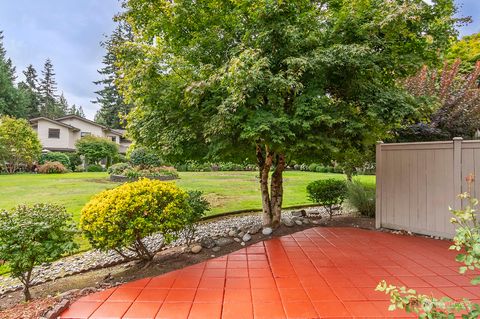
(274, 80)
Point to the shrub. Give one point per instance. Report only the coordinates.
(122, 217)
(94, 168)
(117, 169)
(55, 157)
(52, 168)
(361, 198)
(312, 167)
(31, 235)
(328, 192)
(141, 156)
(79, 169)
(137, 172)
(75, 160)
(96, 149)
(199, 206)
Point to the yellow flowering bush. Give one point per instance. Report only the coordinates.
(120, 218)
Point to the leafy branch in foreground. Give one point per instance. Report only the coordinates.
(467, 240)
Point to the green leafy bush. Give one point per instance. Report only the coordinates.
(122, 217)
(74, 159)
(466, 241)
(95, 168)
(313, 167)
(199, 206)
(141, 156)
(52, 168)
(118, 169)
(55, 157)
(138, 172)
(328, 192)
(31, 235)
(96, 149)
(361, 198)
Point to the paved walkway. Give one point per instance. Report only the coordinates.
(316, 273)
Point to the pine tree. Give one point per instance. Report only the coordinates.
(12, 100)
(30, 89)
(48, 87)
(63, 104)
(112, 105)
(76, 110)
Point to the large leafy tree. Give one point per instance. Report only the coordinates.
(273, 80)
(112, 105)
(467, 50)
(19, 144)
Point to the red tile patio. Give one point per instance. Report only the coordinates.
(316, 273)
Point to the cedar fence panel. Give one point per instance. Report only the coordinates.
(417, 182)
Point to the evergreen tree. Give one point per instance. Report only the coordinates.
(63, 104)
(76, 110)
(30, 90)
(112, 105)
(48, 87)
(12, 101)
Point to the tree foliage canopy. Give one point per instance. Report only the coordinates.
(19, 144)
(292, 79)
(96, 149)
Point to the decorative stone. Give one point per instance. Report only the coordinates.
(223, 241)
(207, 242)
(196, 249)
(306, 221)
(216, 249)
(240, 234)
(255, 229)
(242, 243)
(298, 222)
(288, 222)
(246, 237)
(237, 239)
(267, 231)
(232, 233)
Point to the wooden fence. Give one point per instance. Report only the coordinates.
(417, 182)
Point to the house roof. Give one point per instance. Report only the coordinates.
(35, 120)
(72, 116)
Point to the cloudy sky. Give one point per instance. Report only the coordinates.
(69, 31)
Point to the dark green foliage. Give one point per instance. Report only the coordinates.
(328, 192)
(94, 168)
(52, 168)
(31, 235)
(142, 156)
(361, 198)
(96, 149)
(113, 109)
(74, 159)
(55, 157)
(199, 206)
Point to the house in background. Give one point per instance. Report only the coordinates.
(61, 134)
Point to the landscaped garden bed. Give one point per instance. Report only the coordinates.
(223, 235)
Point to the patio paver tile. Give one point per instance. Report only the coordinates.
(316, 273)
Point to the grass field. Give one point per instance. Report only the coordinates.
(226, 191)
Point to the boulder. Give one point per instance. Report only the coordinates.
(246, 237)
(267, 231)
(207, 242)
(298, 222)
(196, 249)
(223, 241)
(255, 229)
(288, 222)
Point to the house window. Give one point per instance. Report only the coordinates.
(114, 139)
(53, 133)
(82, 134)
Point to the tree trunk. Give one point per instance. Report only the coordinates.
(26, 293)
(276, 188)
(271, 198)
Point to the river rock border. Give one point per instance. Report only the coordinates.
(210, 234)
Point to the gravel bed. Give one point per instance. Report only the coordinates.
(214, 229)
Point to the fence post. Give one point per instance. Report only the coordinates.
(457, 170)
(378, 179)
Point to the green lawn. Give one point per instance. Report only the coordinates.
(226, 191)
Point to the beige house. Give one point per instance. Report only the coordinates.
(61, 134)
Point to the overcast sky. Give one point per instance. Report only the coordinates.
(69, 32)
